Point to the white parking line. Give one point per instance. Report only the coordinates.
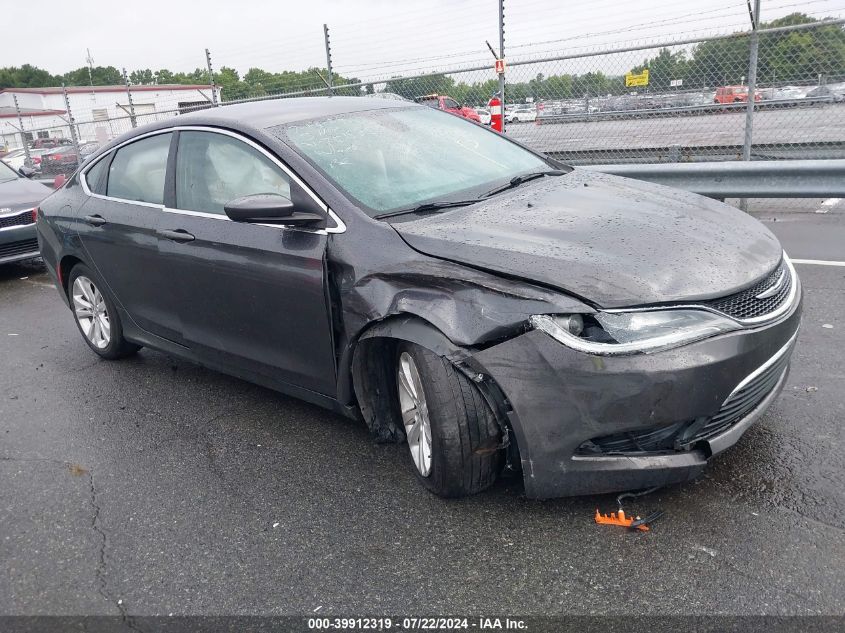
(817, 262)
(830, 202)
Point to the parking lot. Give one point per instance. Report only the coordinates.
(153, 486)
(777, 127)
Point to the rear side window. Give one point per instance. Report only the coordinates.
(138, 169)
(212, 169)
(94, 177)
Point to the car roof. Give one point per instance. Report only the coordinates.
(273, 112)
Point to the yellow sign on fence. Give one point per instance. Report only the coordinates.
(637, 80)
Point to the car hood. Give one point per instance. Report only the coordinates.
(612, 241)
(21, 193)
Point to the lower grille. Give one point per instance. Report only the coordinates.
(24, 247)
(744, 400)
(21, 219)
(684, 435)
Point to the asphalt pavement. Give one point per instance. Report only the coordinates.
(153, 486)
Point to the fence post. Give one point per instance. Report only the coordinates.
(71, 122)
(752, 81)
(132, 118)
(328, 56)
(211, 79)
(23, 136)
(502, 57)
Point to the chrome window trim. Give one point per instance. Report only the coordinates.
(772, 316)
(340, 226)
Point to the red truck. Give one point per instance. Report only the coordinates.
(444, 102)
(733, 94)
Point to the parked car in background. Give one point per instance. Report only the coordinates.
(609, 334)
(785, 93)
(19, 199)
(48, 143)
(17, 159)
(832, 92)
(448, 104)
(522, 114)
(734, 94)
(484, 116)
(64, 160)
(388, 95)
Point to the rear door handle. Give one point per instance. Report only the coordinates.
(95, 220)
(179, 235)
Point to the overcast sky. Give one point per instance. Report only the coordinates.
(370, 38)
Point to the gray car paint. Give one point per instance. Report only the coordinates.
(373, 285)
(610, 240)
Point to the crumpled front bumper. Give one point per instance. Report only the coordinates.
(560, 398)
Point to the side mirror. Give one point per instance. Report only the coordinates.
(271, 208)
(26, 172)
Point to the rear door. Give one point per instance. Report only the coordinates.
(118, 228)
(251, 297)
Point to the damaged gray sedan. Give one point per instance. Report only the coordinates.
(455, 290)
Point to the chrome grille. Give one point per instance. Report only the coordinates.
(746, 305)
(23, 218)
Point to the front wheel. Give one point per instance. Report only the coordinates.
(96, 315)
(452, 434)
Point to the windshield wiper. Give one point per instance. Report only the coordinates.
(430, 206)
(518, 180)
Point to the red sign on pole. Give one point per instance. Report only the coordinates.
(500, 66)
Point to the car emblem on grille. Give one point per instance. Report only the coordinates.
(772, 291)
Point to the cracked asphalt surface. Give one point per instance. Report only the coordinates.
(152, 486)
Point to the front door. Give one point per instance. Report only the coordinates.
(252, 297)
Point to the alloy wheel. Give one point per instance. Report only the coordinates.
(89, 306)
(412, 402)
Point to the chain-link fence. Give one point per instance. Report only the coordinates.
(776, 91)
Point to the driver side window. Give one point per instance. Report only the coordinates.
(212, 169)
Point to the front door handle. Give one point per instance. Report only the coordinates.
(95, 220)
(179, 235)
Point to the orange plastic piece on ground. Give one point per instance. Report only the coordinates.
(618, 519)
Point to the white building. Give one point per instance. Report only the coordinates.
(100, 112)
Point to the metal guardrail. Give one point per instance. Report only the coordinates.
(734, 179)
(797, 152)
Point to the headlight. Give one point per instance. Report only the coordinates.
(615, 333)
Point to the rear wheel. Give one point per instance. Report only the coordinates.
(96, 315)
(452, 434)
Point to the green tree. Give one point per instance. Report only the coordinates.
(664, 67)
(26, 76)
(142, 77)
(100, 76)
(792, 57)
(418, 87)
